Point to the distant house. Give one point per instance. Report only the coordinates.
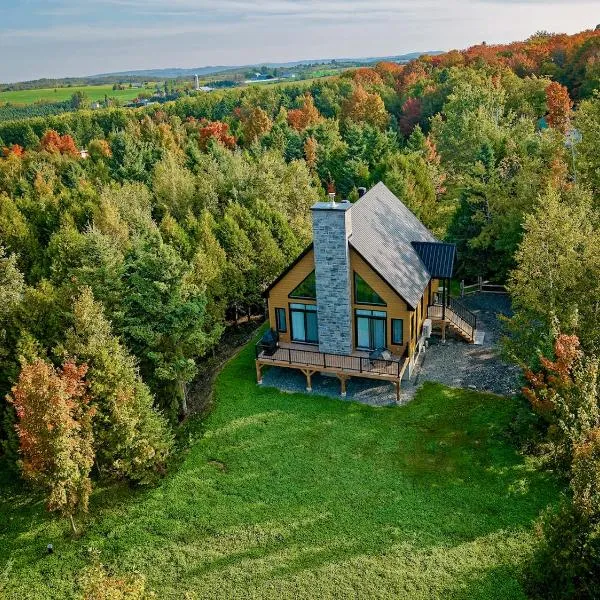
(363, 297)
(95, 105)
(205, 88)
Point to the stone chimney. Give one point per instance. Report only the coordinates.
(332, 226)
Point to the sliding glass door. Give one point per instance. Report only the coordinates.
(304, 323)
(370, 326)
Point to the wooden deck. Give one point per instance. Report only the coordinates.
(307, 359)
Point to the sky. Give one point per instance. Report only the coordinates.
(60, 38)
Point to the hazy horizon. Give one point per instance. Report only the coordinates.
(65, 38)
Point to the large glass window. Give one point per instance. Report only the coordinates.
(365, 294)
(397, 332)
(304, 323)
(280, 319)
(370, 327)
(307, 289)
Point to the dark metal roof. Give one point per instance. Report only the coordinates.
(437, 257)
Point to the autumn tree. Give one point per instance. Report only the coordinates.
(560, 106)
(308, 114)
(218, 131)
(310, 152)
(55, 433)
(256, 124)
(364, 107)
(412, 111)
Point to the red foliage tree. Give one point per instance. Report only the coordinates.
(55, 433)
(412, 110)
(218, 131)
(559, 106)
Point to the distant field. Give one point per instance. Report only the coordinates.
(94, 92)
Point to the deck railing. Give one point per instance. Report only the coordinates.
(457, 314)
(336, 362)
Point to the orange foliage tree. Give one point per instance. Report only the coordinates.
(301, 118)
(218, 131)
(54, 426)
(564, 393)
(14, 150)
(363, 107)
(366, 76)
(310, 152)
(55, 143)
(559, 106)
(256, 124)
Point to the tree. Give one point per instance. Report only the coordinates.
(163, 321)
(256, 124)
(559, 106)
(55, 433)
(218, 131)
(555, 260)
(412, 111)
(131, 439)
(310, 152)
(308, 114)
(173, 185)
(363, 107)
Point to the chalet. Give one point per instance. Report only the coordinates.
(362, 299)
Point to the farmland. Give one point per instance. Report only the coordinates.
(94, 92)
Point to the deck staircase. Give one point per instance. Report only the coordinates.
(457, 318)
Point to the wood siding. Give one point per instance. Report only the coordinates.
(279, 294)
(396, 307)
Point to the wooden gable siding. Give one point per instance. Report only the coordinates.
(279, 293)
(396, 307)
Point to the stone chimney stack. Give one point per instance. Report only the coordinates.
(332, 226)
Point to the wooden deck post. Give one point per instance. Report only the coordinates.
(258, 373)
(308, 375)
(397, 385)
(343, 380)
(443, 331)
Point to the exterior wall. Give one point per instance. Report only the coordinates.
(331, 228)
(396, 307)
(278, 296)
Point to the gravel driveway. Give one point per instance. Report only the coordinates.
(455, 364)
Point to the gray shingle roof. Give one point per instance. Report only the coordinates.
(383, 232)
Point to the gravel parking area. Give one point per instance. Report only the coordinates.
(455, 364)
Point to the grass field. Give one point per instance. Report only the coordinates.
(296, 496)
(94, 92)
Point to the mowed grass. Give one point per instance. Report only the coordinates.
(94, 92)
(298, 496)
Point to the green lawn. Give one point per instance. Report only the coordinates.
(296, 496)
(94, 92)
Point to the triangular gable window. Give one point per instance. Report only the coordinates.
(307, 289)
(365, 294)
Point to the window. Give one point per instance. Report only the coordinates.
(307, 289)
(364, 293)
(370, 327)
(397, 332)
(303, 318)
(280, 320)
